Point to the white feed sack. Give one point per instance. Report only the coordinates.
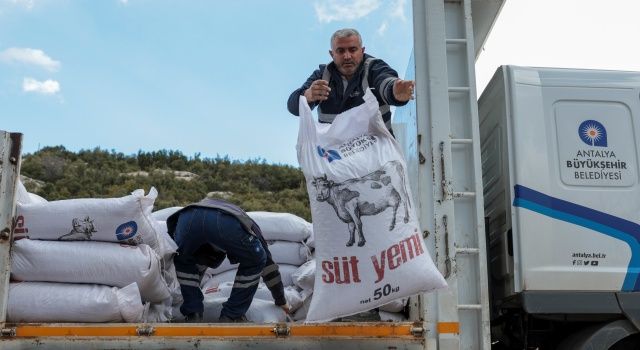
(311, 241)
(285, 252)
(223, 267)
(166, 245)
(125, 220)
(386, 316)
(260, 311)
(300, 315)
(157, 312)
(110, 264)
(281, 226)
(369, 247)
(64, 302)
(304, 276)
(395, 305)
(263, 293)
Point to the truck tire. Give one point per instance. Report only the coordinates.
(602, 336)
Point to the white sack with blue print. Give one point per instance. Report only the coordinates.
(125, 220)
(369, 246)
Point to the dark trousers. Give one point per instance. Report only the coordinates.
(199, 226)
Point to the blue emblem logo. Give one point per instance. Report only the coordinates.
(330, 155)
(126, 230)
(593, 133)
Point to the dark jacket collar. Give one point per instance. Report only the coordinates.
(335, 72)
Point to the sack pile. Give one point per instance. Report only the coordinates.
(286, 234)
(90, 260)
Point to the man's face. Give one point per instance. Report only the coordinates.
(347, 55)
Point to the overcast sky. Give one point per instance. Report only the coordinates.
(198, 76)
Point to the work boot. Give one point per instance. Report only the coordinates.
(227, 319)
(195, 317)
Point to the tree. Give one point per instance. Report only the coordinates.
(253, 184)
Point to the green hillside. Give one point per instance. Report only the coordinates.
(56, 173)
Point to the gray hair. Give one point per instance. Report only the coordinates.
(345, 33)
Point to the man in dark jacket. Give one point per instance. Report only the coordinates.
(340, 85)
(208, 231)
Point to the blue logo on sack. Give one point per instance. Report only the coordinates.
(126, 230)
(593, 133)
(330, 155)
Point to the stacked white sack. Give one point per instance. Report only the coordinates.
(286, 236)
(123, 220)
(283, 252)
(25, 197)
(90, 262)
(169, 270)
(304, 278)
(262, 310)
(160, 219)
(163, 214)
(126, 220)
(63, 302)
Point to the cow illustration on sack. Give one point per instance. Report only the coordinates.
(367, 195)
(82, 230)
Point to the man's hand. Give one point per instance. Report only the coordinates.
(286, 307)
(403, 90)
(318, 91)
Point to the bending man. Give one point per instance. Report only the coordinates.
(340, 85)
(208, 231)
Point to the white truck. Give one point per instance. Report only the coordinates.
(562, 201)
(511, 282)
